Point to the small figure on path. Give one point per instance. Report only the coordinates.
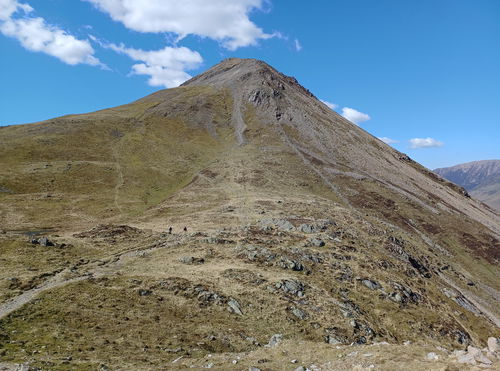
(185, 229)
(170, 230)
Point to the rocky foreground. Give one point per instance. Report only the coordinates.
(254, 297)
(280, 354)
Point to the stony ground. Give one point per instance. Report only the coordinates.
(132, 298)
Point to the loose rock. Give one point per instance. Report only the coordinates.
(432, 356)
(316, 242)
(299, 313)
(234, 306)
(191, 260)
(372, 285)
(275, 340)
(493, 344)
(292, 287)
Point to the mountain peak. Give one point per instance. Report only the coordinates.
(249, 74)
(229, 69)
(243, 202)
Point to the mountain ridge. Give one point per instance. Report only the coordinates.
(480, 178)
(286, 218)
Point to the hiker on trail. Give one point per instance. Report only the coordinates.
(185, 229)
(170, 230)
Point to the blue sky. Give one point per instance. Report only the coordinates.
(423, 73)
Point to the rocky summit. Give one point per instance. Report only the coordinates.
(237, 223)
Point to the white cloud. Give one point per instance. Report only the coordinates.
(9, 7)
(36, 35)
(298, 45)
(388, 140)
(354, 116)
(328, 104)
(425, 143)
(226, 21)
(165, 67)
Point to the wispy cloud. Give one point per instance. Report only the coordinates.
(425, 143)
(329, 104)
(355, 116)
(388, 140)
(35, 34)
(298, 45)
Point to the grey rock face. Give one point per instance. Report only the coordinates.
(461, 300)
(372, 285)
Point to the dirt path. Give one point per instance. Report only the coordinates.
(97, 269)
(57, 281)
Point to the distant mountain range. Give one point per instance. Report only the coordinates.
(480, 178)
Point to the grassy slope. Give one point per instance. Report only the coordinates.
(96, 166)
(142, 164)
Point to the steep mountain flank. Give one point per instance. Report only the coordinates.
(480, 178)
(298, 223)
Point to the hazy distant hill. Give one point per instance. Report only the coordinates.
(480, 178)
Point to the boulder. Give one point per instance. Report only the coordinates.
(234, 306)
(42, 241)
(316, 242)
(372, 285)
(493, 344)
(292, 287)
(144, 292)
(480, 357)
(293, 265)
(432, 356)
(306, 228)
(332, 340)
(191, 260)
(466, 358)
(275, 340)
(299, 313)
